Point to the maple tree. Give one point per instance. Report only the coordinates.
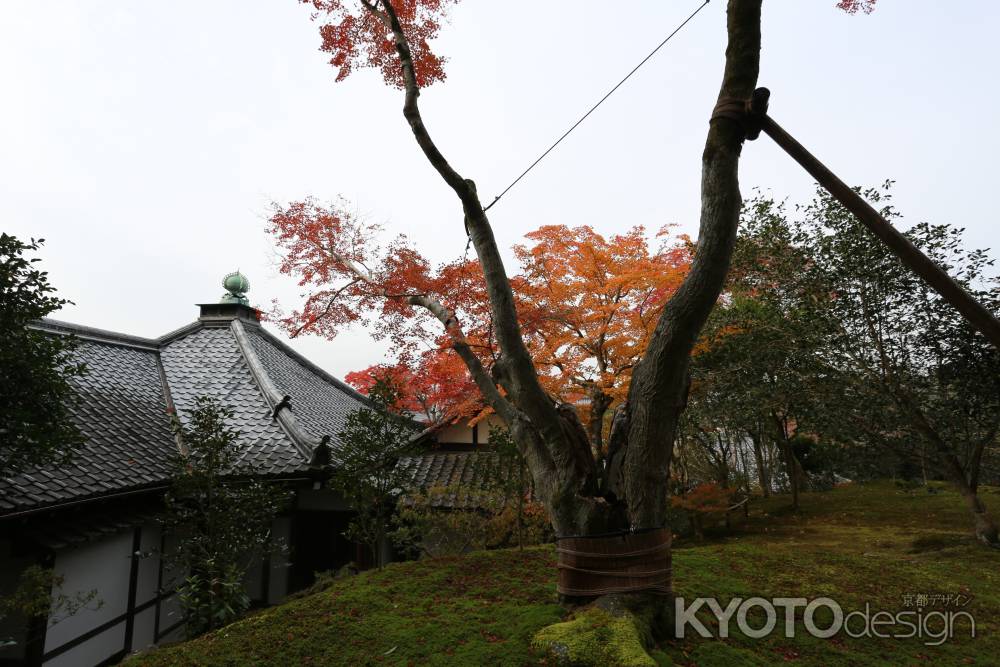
(436, 388)
(588, 306)
(355, 33)
(396, 290)
(401, 295)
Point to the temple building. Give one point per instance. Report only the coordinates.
(93, 520)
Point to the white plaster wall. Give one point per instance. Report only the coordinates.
(94, 651)
(170, 609)
(253, 581)
(104, 566)
(144, 629)
(142, 633)
(149, 565)
(462, 433)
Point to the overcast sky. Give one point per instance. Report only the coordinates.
(145, 140)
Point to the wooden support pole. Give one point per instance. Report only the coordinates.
(974, 312)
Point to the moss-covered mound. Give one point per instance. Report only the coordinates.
(594, 637)
(865, 544)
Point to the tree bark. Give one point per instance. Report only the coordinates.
(985, 526)
(599, 404)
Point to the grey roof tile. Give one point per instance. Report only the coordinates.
(319, 401)
(208, 362)
(123, 415)
(465, 472)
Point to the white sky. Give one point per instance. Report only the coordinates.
(145, 140)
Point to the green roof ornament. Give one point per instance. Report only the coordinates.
(237, 286)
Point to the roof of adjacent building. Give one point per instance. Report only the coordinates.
(460, 478)
(283, 406)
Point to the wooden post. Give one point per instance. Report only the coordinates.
(974, 312)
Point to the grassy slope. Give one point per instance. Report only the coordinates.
(856, 544)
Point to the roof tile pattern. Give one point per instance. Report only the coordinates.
(123, 414)
(208, 362)
(319, 402)
(464, 473)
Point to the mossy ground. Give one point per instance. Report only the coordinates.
(857, 544)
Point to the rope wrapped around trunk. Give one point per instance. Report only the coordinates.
(618, 563)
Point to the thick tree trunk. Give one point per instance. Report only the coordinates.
(985, 526)
(599, 404)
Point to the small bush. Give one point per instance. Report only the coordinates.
(703, 501)
(447, 521)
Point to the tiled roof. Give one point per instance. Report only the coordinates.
(208, 362)
(319, 401)
(123, 408)
(123, 414)
(465, 474)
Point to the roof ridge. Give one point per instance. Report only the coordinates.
(279, 403)
(329, 377)
(50, 325)
(179, 332)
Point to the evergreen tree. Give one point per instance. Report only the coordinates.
(35, 391)
(367, 474)
(221, 512)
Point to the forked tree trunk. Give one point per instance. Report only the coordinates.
(582, 495)
(985, 526)
(965, 482)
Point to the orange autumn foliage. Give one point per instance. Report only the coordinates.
(437, 389)
(706, 498)
(587, 306)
